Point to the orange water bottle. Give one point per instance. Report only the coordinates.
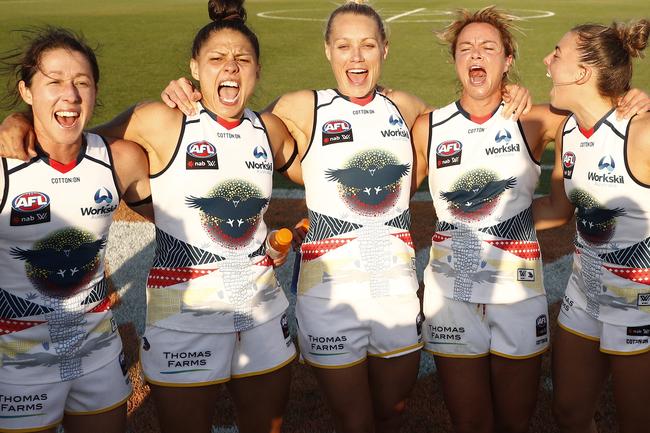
(304, 225)
(278, 243)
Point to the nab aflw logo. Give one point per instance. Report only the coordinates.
(643, 300)
(201, 155)
(30, 208)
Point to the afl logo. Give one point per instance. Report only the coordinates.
(568, 163)
(336, 127)
(201, 149)
(449, 148)
(569, 159)
(30, 202)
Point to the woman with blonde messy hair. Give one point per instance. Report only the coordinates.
(485, 304)
(602, 170)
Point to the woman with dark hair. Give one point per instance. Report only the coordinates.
(61, 358)
(215, 311)
(602, 170)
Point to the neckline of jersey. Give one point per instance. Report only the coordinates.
(588, 133)
(228, 124)
(358, 101)
(59, 166)
(477, 119)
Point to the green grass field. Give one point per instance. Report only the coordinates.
(145, 43)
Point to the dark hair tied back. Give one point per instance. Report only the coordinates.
(225, 14)
(226, 10)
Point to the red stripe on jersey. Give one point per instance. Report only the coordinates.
(63, 168)
(228, 124)
(480, 119)
(406, 237)
(638, 275)
(7, 326)
(523, 249)
(363, 101)
(164, 277)
(439, 237)
(314, 250)
(587, 132)
(104, 305)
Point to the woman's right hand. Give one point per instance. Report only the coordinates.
(181, 94)
(17, 138)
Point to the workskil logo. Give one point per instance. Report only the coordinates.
(605, 174)
(502, 139)
(337, 131)
(568, 164)
(260, 162)
(449, 153)
(104, 198)
(400, 132)
(30, 208)
(201, 155)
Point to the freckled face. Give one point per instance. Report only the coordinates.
(62, 96)
(480, 60)
(228, 70)
(356, 52)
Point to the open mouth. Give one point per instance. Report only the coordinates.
(66, 119)
(477, 75)
(228, 92)
(357, 76)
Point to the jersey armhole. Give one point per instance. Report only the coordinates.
(184, 122)
(523, 135)
(4, 182)
(627, 164)
(268, 138)
(430, 138)
(112, 166)
(313, 126)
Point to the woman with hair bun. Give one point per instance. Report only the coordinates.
(602, 170)
(215, 311)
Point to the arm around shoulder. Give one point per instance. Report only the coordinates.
(420, 136)
(285, 150)
(132, 173)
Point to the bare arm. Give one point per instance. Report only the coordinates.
(132, 173)
(638, 148)
(554, 209)
(296, 110)
(285, 149)
(420, 136)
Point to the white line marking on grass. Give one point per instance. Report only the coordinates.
(405, 14)
(420, 15)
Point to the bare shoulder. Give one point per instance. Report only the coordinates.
(127, 153)
(293, 102)
(156, 113)
(640, 130)
(408, 104)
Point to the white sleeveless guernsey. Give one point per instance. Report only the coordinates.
(55, 318)
(210, 272)
(482, 177)
(357, 174)
(611, 264)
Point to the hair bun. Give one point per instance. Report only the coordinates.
(225, 10)
(634, 36)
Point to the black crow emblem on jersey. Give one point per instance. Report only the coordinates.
(595, 223)
(370, 182)
(476, 194)
(61, 263)
(231, 212)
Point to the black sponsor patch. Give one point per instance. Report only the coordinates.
(643, 300)
(419, 320)
(541, 325)
(568, 164)
(30, 208)
(145, 344)
(638, 331)
(449, 153)
(201, 155)
(123, 365)
(524, 274)
(284, 323)
(337, 131)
